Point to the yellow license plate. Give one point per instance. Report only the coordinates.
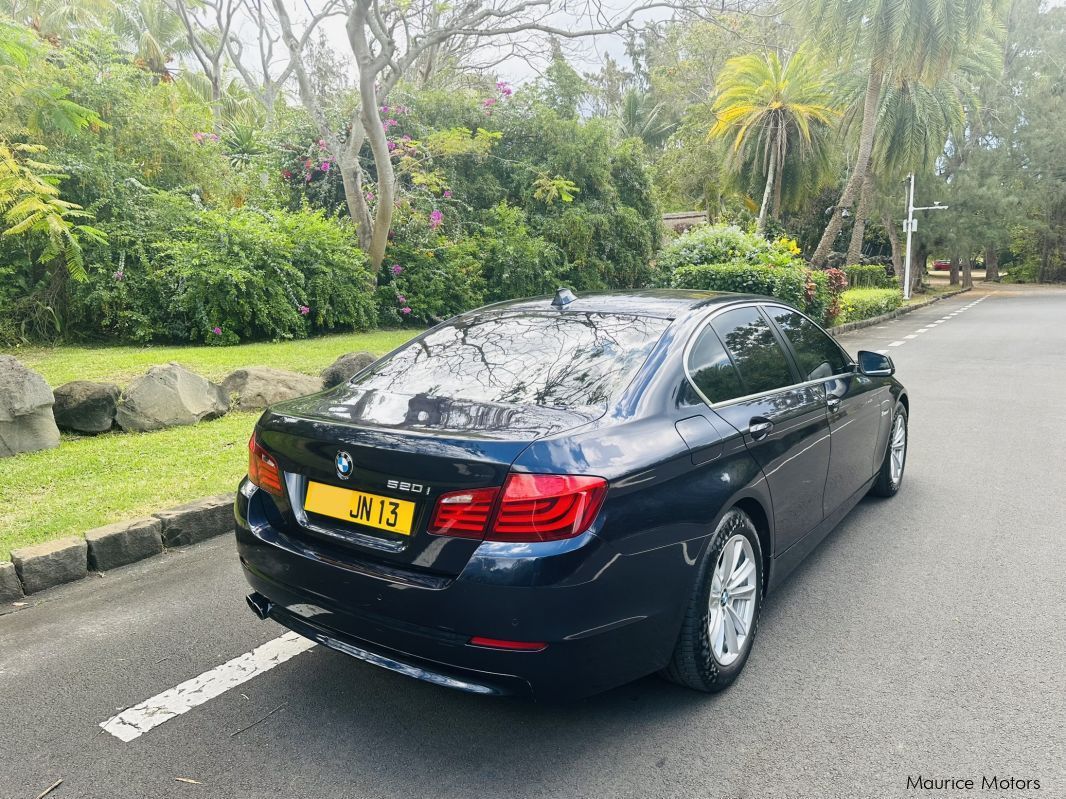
(384, 513)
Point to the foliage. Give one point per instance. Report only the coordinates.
(771, 110)
(865, 303)
(868, 276)
(803, 288)
(218, 277)
(428, 285)
(515, 262)
(725, 244)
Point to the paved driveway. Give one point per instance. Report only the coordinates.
(926, 635)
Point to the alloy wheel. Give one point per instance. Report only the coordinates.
(734, 591)
(898, 449)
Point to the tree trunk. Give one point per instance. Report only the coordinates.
(767, 192)
(967, 273)
(858, 230)
(870, 107)
(893, 239)
(991, 263)
(954, 279)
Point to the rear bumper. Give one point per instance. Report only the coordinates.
(607, 619)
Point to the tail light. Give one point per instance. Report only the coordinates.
(262, 468)
(531, 507)
(463, 513)
(547, 507)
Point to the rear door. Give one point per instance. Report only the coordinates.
(740, 367)
(854, 402)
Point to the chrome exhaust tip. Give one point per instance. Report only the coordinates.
(259, 604)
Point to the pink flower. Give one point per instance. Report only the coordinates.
(389, 123)
(504, 88)
(391, 145)
(370, 196)
(384, 110)
(396, 269)
(198, 136)
(325, 166)
(436, 219)
(489, 102)
(405, 310)
(285, 173)
(447, 194)
(401, 299)
(321, 144)
(217, 331)
(119, 275)
(304, 310)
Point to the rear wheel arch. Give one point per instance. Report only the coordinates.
(760, 518)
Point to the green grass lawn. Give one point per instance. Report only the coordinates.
(121, 365)
(91, 481)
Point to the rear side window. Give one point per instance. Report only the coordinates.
(816, 354)
(756, 354)
(556, 360)
(711, 370)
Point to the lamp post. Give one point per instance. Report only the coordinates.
(911, 224)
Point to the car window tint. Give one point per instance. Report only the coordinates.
(711, 370)
(816, 354)
(555, 360)
(757, 355)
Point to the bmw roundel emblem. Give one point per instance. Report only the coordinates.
(344, 464)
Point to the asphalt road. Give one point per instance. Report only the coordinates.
(926, 635)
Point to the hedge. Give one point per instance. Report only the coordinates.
(856, 304)
(808, 289)
(868, 276)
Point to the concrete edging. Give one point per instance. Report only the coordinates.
(35, 568)
(876, 320)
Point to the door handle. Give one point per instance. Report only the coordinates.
(759, 428)
(832, 402)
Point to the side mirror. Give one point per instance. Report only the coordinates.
(874, 364)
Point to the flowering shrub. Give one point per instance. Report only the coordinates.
(186, 274)
(425, 285)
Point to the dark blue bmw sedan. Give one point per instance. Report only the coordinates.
(554, 496)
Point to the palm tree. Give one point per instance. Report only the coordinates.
(57, 19)
(771, 110)
(640, 117)
(155, 32)
(922, 39)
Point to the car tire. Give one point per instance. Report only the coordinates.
(889, 478)
(702, 659)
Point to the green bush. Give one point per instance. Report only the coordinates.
(514, 261)
(856, 304)
(426, 286)
(725, 244)
(180, 273)
(815, 292)
(868, 276)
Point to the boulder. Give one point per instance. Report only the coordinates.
(10, 587)
(197, 521)
(167, 396)
(259, 386)
(345, 367)
(26, 421)
(86, 407)
(123, 542)
(52, 563)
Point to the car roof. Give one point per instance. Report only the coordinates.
(660, 303)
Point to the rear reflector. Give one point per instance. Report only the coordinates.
(512, 646)
(262, 468)
(464, 514)
(547, 507)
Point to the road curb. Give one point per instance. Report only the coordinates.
(876, 320)
(30, 569)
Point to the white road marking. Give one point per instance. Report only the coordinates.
(880, 352)
(897, 343)
(912, 335)
(139, 719)
(922, 330)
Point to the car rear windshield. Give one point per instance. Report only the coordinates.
(556, 360)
